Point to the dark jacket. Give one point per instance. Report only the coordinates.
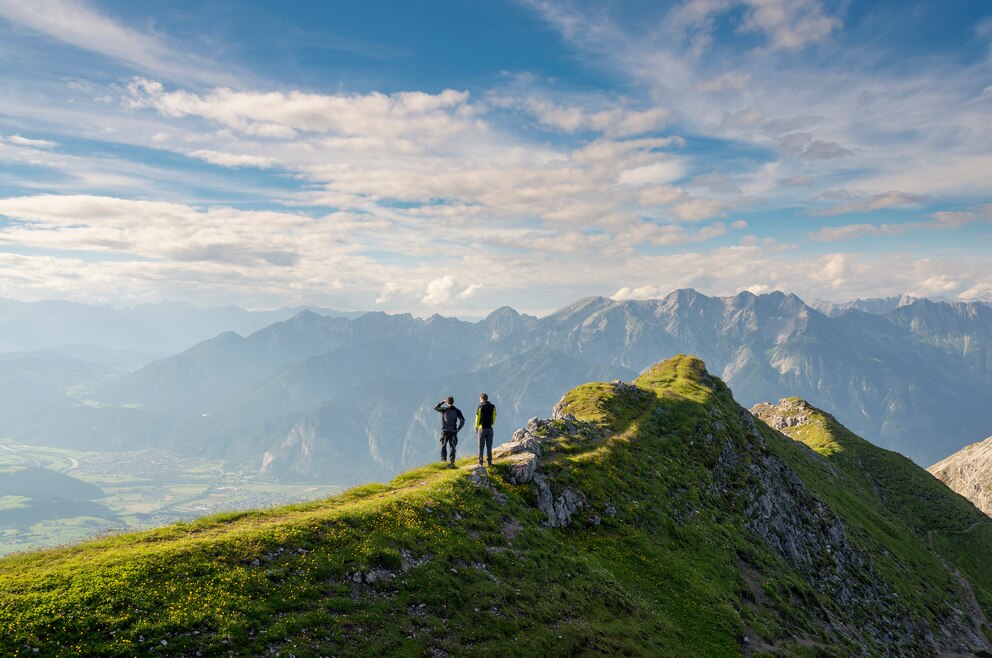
(452, 419)
(485, 416)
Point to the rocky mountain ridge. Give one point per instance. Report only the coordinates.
(875, 305)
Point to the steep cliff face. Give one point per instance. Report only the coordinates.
(969, 472)
(648, 518)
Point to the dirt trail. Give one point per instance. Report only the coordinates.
(979, 617)
(978, 613)
(967, 530)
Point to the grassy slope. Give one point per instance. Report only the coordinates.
(462, 568)
(905, 509)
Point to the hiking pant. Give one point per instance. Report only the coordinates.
(448, 438)
(486, 441)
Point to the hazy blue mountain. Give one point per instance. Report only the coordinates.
(163, 327)
(265, 408)
(120, 361)
(314, 395)
(34, 382)
(875, 305)
(387, 426)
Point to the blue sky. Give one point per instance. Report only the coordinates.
(457, 156)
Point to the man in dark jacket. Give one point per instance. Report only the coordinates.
(452, 421)
(485, 418)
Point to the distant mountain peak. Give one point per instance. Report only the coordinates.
(872, 305)
(306, 314)
(683, 294)
(502, 312)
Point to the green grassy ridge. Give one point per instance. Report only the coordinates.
(909, 491)
(469, 569)
(903, 507)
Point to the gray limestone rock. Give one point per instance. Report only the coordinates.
(523, 467)
(559, 508)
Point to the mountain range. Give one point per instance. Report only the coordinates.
(350, 399)
(650, 518)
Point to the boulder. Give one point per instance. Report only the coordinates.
(519, 435)
(522, 467)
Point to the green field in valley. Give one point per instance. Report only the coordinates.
(142, 489)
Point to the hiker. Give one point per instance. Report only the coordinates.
(485, 418)
(452, 422)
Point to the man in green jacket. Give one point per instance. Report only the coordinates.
(485, 418)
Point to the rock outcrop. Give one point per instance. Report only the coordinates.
(522, 455)
(789, 412)
(560, 507)
(969, 472)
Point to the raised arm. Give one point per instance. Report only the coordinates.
(437, 407)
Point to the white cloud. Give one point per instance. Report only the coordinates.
(964, 174)
(76, 23)
(470, 291)
(951, 219)
(726, 271)
(32, 143)
(803, 145)
(231, 159)
(659, 195)
(746, 119)
(851, 231)
(92, 248)
(732, 81)
(390, 291)
(657, 173)
(876, 202)
(694, 210)
(444, 289)
(939, 220)
(280, 115)
(799, 180)
(592, 113)
(789, 24)
(641, 292)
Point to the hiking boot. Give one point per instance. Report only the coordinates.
(480, 463)
(490, 464)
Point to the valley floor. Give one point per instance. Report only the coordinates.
(143, 489)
